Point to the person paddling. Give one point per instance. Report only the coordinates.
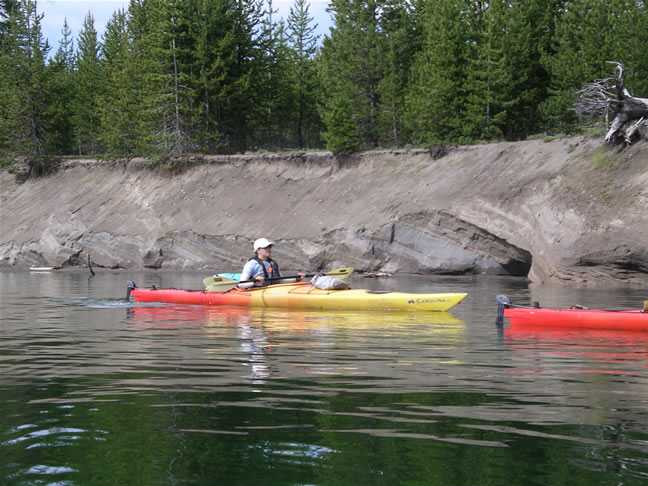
(262, 268)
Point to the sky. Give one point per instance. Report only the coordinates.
(75, 11)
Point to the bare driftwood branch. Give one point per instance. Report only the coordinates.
(633, 130)
(90, 266)
(594, 98)
(610, 98)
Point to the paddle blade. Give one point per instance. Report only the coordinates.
(342, 273)
(208, 280)
(221, 286)
(217, 279)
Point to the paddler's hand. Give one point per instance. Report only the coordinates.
(259, 280)
(300, 275)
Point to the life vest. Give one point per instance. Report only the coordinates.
(272, 274)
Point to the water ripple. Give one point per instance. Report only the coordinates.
(94, 387)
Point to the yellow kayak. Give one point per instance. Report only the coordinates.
(304, 296)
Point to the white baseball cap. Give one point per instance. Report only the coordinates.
(262, 243)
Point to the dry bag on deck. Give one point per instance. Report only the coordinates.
(326, 282)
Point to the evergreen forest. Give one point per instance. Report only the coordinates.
(172, 77)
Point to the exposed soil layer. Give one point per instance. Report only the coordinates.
(568, 210)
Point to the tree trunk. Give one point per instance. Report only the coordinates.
(626, 108)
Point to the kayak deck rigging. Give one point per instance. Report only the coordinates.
(301, 295)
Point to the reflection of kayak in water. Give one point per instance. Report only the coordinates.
(298, 342)
(181, 314)
(611, 351)
(575, 336)
(303, 296)
(278, 319)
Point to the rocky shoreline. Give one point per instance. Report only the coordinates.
(570, 210)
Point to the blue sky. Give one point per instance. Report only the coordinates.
(56, 11)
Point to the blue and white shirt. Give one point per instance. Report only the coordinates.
(255, 267)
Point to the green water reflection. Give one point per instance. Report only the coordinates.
(97, 392)
(344, 438)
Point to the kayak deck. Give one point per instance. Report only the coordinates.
(575, 318)
(304, 296)
(630, 320)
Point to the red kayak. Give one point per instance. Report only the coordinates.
(574, 318)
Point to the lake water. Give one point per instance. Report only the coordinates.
(96, 391)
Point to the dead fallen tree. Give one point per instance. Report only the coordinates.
(610, 98)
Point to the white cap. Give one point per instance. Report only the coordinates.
(262, 243)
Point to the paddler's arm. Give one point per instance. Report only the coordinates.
(291, 280)
(248, 285)
(250, 268)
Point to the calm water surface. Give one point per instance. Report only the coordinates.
(96, 391)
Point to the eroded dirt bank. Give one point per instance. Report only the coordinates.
(566, 210)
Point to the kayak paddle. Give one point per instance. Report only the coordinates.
(219, 283)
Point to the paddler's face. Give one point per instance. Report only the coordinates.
(264, 252)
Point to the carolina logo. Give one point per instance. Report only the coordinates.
(428, 301)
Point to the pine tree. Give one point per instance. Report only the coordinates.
(166, 100)
(210, 55)
(341, 130)
(399, 30)
(273, 117)
(588, 34)
(265, 117)
(161, 96)
(138, 68)
(90, 86)
(224, 65)
(629, 43)
(488, 78)
(507, 81)
(245, 76)
(351, 68)
(530, 24)
(223, 68)
(303, 43)
(437, 93)
(119, 104)
(286, 108)
(22, 83)
(61, 72)
(6, 7)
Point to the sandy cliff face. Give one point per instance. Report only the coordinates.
(566, 210)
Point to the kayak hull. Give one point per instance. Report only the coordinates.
(304, 296)
(622, 320)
